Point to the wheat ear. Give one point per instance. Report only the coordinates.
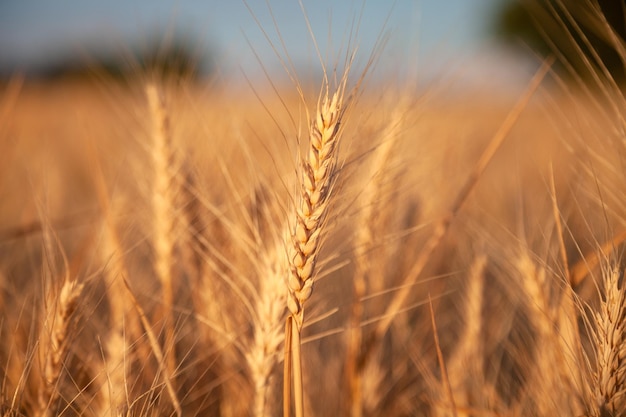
(317, 180)
(465, 368)
(163, 205)
(54, 345)
(318, 176)
(123, 324)
(263, 353)
(365, 241)
(609, 339)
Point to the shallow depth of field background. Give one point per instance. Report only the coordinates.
(516, 289)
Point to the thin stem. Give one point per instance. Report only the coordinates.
(287, 368)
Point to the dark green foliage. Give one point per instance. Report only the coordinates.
(584, 34)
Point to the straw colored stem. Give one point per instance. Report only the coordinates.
(317, 180)
(163, 197)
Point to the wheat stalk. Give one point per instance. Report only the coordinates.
(123, 324)
(164, 212)
(318, 176)
(536, 289)
(156, 350)
(365, 241)
(465, 368)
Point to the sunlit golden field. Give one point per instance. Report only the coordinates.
(155, 238)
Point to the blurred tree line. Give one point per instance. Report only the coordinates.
(178, 54)
(585, 35)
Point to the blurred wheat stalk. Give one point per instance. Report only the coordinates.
(187, 284)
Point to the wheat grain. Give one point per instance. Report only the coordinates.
(318, 176)
(164, 212)
(465, 367)
(610, 346)
(54, 345)
(263, 354)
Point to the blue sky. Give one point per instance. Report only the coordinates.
(32, 32)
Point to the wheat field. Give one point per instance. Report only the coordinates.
(346, 248)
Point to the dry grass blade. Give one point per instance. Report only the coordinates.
(287, 368)
(156, 349)
(582, 268)
(567, 312)
(440, 359)
(559, 225)
(465, 367)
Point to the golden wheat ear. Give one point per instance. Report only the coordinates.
(609, 337)
(54, 344)
(164, 206)
(318, 172)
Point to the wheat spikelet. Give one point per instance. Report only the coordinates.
(567, 314)
(164, 212)
(193, 248)
(124, 325)
(54, 345)
(116, 345)
(466, 365)
(540, 313)
(551, 350)
(610, 332)
(317, 179)
(263, 354)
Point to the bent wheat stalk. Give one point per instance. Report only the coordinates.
(318, 172)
